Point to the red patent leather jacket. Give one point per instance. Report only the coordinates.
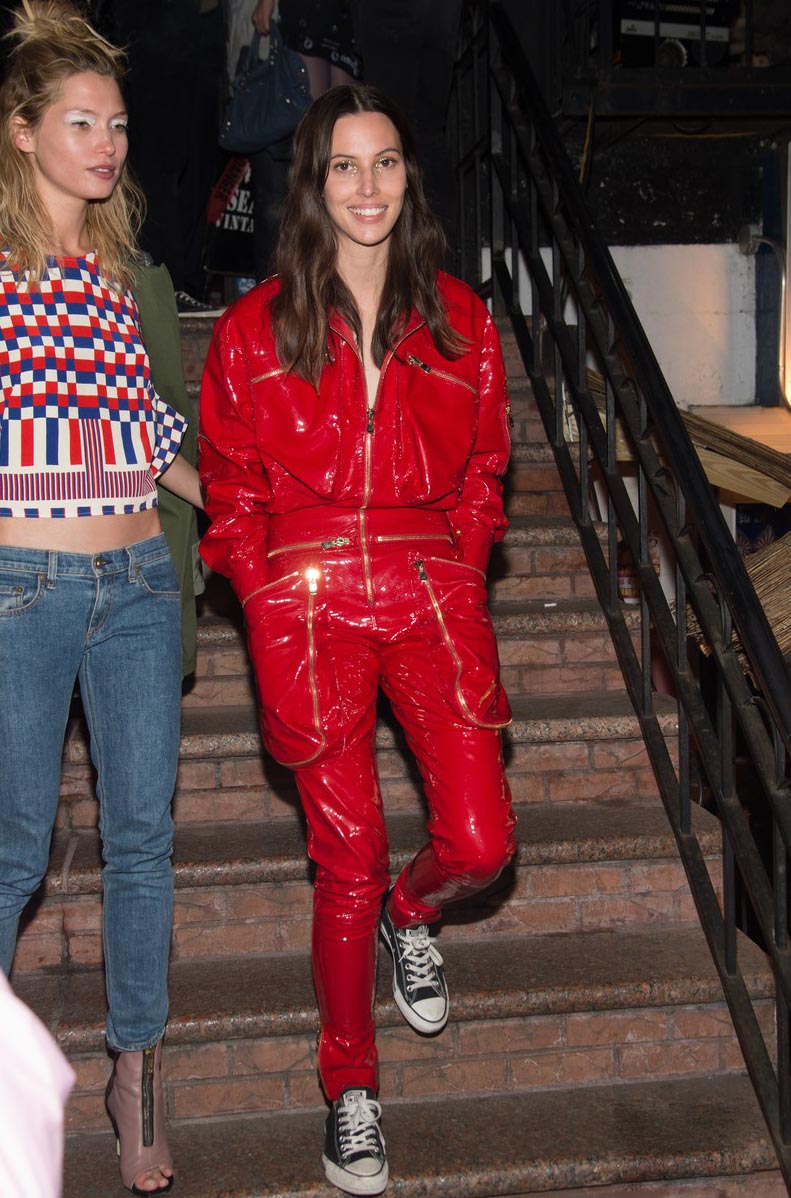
(437, 436)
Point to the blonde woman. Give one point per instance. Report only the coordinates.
(87, 585)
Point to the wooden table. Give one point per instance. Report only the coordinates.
(770, 427)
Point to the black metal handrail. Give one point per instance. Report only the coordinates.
(530, 243)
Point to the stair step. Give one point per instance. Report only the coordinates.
(545, 647)
(525, 1015)
(245, 886)
(472, 1147)
(558, 748)
(596, 973)
(766, 1184)
(540, 558)
(533, 486)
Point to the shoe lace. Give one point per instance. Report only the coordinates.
(358, 1129)
(421, 958)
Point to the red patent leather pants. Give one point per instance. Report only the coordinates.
(360, 601)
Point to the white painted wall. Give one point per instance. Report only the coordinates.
(697, 305)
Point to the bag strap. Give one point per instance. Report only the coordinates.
(251, 59)
(276, 47)
(275, 39)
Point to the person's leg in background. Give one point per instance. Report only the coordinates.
(176, 69)
(269, 167)
(268, 173)
(207, 69)
(408, 49)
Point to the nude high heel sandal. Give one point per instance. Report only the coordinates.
(135, 1103)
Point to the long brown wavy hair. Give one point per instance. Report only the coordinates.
(51, 42)
(310, 286)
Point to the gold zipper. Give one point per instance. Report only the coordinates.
(370, 423)
(416, 536)
(370, 415)
(440, 374)
(312, 578)
(267, 585)
(269, 374)
(424, 578)
(333, 543)
(469, 566)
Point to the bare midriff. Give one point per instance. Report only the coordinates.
(79, 534)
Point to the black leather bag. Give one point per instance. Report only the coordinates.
(270, 96)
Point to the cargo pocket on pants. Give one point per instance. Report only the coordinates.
(284, 634)
(466, 653)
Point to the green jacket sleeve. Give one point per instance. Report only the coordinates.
(153, 292)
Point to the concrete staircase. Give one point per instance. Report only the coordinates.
(588, 1045)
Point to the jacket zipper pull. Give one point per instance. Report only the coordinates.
(370, 412)
(509, 415)
(413, 361)
(421, 569)
(312, 578)
(335, 543)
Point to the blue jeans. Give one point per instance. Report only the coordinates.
(111, 619)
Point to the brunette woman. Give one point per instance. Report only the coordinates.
(354, 432)
(87, 585)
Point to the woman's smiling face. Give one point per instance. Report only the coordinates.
(366, 182)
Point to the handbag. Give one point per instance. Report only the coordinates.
(269, 99)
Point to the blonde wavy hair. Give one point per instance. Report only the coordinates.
(52, 42)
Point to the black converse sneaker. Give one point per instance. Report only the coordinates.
(419, 986)
(188, 305)
(354, 1148)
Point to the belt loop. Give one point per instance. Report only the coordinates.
(132, 570)
(52, 567)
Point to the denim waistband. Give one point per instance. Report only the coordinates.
(53, 562)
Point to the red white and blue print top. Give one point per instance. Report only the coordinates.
(82, 430)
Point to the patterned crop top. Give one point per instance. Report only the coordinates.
(82, 430)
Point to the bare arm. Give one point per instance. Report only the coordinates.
(182, 479)
(262, 15)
